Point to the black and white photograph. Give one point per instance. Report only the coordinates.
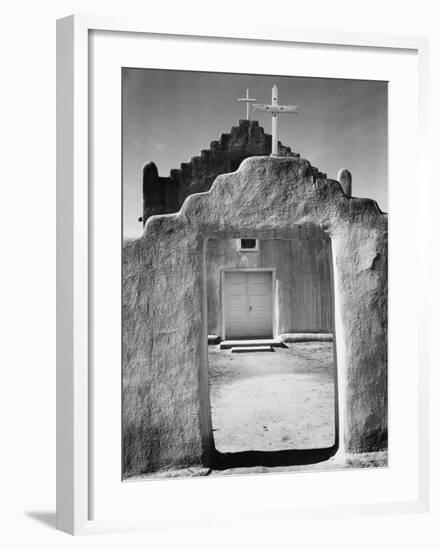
(254, 274)
(219, 278)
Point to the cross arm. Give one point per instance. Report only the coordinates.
(291, 109)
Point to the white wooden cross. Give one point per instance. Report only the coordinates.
(248, 100)
(276, 110)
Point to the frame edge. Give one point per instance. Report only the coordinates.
(72, 484)
(72, 276)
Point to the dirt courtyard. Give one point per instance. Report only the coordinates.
(272, 401)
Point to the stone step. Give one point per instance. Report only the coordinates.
(226, 344)
(213, 339)
(247, 349)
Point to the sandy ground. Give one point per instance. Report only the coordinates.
(272, 401)
(362, 460)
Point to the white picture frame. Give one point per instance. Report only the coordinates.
(75, 383)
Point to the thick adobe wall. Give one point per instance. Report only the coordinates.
(166, 413)
(164, 195)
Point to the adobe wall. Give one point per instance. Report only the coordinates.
(164, 195)
(303, 277)
(166, 414)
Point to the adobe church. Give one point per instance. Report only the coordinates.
(297, 298)
(248, 241)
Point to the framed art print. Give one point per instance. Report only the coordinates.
(272, 387)
(233, 276)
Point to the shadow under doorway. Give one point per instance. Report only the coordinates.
(277, 406)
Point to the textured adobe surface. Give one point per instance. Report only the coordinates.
(166, 413)
(164, 195)
(344, 178)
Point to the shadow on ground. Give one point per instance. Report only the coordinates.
(46, 518)
(223, 461)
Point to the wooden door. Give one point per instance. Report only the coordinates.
(248, 304)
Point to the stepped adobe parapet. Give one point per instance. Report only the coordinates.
(164, 195)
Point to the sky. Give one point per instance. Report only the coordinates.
(170, 116)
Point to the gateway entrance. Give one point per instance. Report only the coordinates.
(248, 304)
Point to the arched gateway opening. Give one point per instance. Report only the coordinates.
(166, 413)
(271, 357)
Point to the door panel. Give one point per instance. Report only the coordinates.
(236, 304)
(248, 304)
